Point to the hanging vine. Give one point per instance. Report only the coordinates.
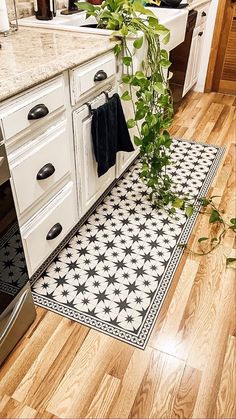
(147, 89)
(136, 27)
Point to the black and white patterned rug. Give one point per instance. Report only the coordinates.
(115, 272)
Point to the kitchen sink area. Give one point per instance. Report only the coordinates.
(174, 19)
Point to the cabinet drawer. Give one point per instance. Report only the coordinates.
(36, 104)
(86, 77)
(42, 235)
(43, 164)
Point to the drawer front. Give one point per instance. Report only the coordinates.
(38, 170)
(32, 107)
(45, 232)
(91, 75)
(202, 14)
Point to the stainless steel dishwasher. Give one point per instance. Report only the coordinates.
(17, 309)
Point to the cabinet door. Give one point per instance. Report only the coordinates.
(191, 64)
(197, 58)
(90, 186)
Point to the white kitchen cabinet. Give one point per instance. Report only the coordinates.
(60, 139)
(33, 108)
(196, 49)
(44, 197)
(45, 231)
(90, 186)
(39, 165)
(95, 74)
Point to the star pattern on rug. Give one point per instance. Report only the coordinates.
(112, 275)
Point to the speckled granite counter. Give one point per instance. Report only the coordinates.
(31, 56)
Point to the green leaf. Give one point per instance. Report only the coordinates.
(140, 75)
(124, 30)
(153, 22)
(233, 221)
(215, 216)
(86, 6)
(140, 114)
(137, 140)
(165, 63)
(126, 96)
(138, 7)
(159, 88)
(164, 54)
(230, 261)
(166, 38)
(138, 42)
(202, 239)
(127, 61)
(145, 129)
(178, 203)
(131, 123)
(126, 79)
(117, 49)
(189, 210)
(205, 202)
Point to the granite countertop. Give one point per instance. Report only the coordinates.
(33, 55)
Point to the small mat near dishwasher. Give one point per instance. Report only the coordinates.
(116, 270)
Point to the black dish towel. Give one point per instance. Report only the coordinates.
(110, 133)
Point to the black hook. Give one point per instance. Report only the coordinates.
(90, 108)
(106, 94)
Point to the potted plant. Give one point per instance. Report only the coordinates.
(146, 62)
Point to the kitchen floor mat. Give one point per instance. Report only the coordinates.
(115, 272)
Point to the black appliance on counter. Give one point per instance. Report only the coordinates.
(173, 4)
(179, 57)
(17, 309)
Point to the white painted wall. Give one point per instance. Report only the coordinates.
(205, 54)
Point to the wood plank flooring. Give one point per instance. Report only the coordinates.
(61, 369)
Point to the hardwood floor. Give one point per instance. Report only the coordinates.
(61, 369)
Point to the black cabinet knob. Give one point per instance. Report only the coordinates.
(204, 14)
(38, 111)
(54, 231)
(46, 171)
(200, 34)
(100, 75)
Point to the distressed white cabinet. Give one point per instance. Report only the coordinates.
(90, 186)
(58, 145)
(196, 48)
(41, 160)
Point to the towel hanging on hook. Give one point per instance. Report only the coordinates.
(91, 111)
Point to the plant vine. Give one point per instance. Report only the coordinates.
(148, 90)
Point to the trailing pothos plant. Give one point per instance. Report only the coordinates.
(220, 226)
(148, 90)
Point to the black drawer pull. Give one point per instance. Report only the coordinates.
(46, 171)
(200, 34)
(54, 231)
(100, 75)
(204, 14)
(38, 111)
